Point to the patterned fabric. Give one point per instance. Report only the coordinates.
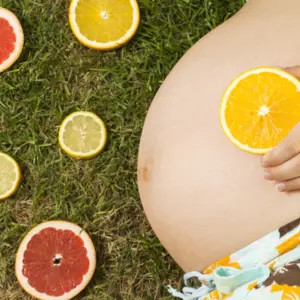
(268, 269)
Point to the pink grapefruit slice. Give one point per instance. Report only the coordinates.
(55, 261)
(11, 39)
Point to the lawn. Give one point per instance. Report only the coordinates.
(56, 76)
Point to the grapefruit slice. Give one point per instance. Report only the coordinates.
(259, 108)
(11, 39)
(55, 261)
(104, 24)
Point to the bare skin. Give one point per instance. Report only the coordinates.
(203, 197)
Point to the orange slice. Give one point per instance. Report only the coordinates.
(104, 24)
(259, 109)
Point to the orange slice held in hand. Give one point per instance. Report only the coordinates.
(104, 24)
(259, 109)
(11, 39)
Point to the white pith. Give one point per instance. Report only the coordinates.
(263, 111)
(104, 15)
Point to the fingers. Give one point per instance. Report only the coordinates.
(295, 71)
(288, 186)
(287, 149)
(288, 170)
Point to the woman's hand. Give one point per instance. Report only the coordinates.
(282, 164)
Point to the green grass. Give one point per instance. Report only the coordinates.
(56, 76)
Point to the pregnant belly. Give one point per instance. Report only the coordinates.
(203, 197)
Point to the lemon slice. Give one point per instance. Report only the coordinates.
(10, 176)
(104, 24)
(82, 135)
(259, 108)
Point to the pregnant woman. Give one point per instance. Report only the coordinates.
(204, 198)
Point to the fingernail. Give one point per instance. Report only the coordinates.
(280, 187)
(267, 175)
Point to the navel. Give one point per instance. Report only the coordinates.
(146, 171)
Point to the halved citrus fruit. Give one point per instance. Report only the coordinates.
(104, 24)
(10, 176)
(259, 109)
(82, 135)
(55, 261)
(11, 39)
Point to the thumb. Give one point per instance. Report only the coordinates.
(286, 150)
(295, 71)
